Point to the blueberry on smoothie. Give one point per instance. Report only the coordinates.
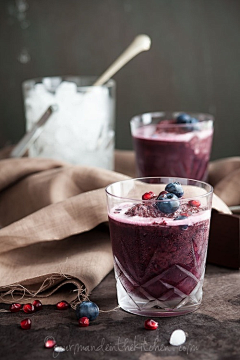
(175, 188)
(169, 206)
(186, 119)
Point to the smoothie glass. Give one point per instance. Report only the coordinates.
(159, 259)
(165, 148)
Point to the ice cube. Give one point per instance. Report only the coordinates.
(66, 90)
(58, 349)
(80, 131)
(177, 338)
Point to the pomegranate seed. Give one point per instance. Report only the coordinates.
(37, 305)
(28, 308)
(148, 195)
(162, 193)
(184, 214)
(50, 343)
(62, 305)
(26, 324)
(15, 307)
(151, 324)
(83, 321)
(195, 203)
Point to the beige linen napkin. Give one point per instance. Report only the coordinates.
(41, 202)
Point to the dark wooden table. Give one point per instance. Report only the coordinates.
(213, 331)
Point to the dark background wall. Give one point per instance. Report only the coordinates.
(193, 65)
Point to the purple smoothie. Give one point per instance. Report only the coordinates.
(156, 258)
(174, 150)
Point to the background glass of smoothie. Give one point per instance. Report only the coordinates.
(159, 246)
(164, 147)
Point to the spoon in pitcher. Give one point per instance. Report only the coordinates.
(139, 44)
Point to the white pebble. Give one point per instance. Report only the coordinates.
(59, 348)
(177, 338)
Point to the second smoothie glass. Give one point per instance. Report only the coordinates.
(165, 148)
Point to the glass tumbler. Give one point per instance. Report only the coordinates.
(166, 148)
(82, 130)
(159, 245)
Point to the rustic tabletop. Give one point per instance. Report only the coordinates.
(212, 331)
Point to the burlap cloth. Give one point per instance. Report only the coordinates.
(54, 241)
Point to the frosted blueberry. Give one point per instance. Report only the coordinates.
(87, 309)
(175, 188)
(170, 205)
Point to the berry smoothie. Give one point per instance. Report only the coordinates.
(159, 256)
(173, 149)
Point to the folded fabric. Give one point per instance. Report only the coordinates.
(54, 241)
(41, 202)
(224, 176)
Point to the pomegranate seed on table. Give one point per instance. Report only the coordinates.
(26, 324)
(83, 321)
(37, 305)
(62, 305)
(15, 307)
(50, 343)
(28, 308)
(150, 324)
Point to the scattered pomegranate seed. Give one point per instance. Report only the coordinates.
(15, 307)
(83, 321)
(26, 324)
(148, 195)
(62, 305)
(28, 308)
(37, 305)
(195, 203)
(50, 343)
(151, 324)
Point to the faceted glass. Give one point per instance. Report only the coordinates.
(159, 259)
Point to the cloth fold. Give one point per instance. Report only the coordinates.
(43, 201)
(54, 241)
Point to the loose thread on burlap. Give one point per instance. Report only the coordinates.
(84, 297)
(81, 296)
(107, 311)
(47, 283)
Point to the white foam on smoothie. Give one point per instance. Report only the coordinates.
(149, 132)
(119, 215)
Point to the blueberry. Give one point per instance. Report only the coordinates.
(182, 217)
(187, 119)
(184, 119)
(87, 309)
(169, 206)
(175, 188)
